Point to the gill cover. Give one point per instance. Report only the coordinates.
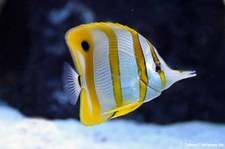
(80, 43)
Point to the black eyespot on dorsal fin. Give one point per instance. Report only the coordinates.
(157, 68)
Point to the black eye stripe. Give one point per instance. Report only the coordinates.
(85, 45)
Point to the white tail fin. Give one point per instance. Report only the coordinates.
(71, 83)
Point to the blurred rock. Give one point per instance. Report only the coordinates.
(188, 34)
(14, 45)
(2, 2)
(37, 90)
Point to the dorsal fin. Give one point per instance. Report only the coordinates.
(71, 83)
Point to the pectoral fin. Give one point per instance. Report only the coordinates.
(71, 83)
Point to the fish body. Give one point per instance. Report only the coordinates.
(117, 70)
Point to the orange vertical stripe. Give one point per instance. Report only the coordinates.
(114, 62)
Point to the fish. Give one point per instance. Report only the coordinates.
(116, 71)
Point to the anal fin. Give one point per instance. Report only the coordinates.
(119, 111)
(90, 114)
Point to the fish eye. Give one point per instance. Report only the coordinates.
(157, 68)
(85, 45)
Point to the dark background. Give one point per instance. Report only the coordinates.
(189, 35)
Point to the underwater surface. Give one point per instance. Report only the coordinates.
(188, 34)
(39, 133)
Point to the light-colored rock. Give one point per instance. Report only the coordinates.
(20, 132)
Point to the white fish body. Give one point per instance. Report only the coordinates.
(119, 70)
